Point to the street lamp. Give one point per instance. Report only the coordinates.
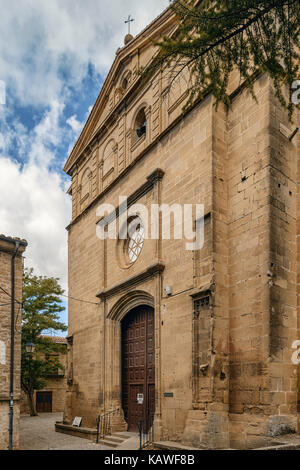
(30, 348)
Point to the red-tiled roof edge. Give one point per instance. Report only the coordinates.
(56, 339)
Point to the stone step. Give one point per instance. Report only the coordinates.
(121, 435)
(117, 440)
(169, 445)
(114, 440)
(108, 444)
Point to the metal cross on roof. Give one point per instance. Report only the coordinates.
(129, 21)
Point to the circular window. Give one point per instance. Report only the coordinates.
(130, 242)
(125, 84)
(136, 239)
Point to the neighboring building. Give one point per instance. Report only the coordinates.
(9, 248)
(200, 342)
(51, 399)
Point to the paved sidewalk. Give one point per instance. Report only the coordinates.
(38, 433)
(132, 442)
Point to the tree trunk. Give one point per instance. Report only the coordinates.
(31, 404)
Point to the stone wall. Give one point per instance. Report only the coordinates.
(56, 385)
(7, 247)
(223, 338)
(247, 392)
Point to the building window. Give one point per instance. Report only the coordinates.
(125, 80)
(130, 242)
(140, 126)
(135, 241)
(201, 304)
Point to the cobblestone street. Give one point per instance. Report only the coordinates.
(38, 433)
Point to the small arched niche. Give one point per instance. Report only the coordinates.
(109, 158)
(85, 185)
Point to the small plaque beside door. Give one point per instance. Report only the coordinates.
(140, 398)
(77, 422)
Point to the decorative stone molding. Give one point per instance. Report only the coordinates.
(156, 176)
(119, 93)
(148, 111)
(129, 140)
(84, 198)
(148, 273)
(109, 158)
(126, 76)
(128, 302)
(165, 92)
(175, 105)
(137, 143)
(152, 179)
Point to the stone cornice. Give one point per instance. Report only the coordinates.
(8, 244)
(204, 289)
(150, 272)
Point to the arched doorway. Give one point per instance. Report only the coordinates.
(138, 367)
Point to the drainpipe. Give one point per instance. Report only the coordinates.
(12, 348)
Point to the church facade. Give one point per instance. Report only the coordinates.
(196, 341)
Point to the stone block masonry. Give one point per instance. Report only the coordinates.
(224, 375)
(7, 248)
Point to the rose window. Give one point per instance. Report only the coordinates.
(135, 243)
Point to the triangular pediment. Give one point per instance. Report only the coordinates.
(119, 83)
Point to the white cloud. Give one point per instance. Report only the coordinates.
(75, 125)
(47, 133)
(38, 37)
(33, 200)
(36, 208)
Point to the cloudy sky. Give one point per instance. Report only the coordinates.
(54, 56)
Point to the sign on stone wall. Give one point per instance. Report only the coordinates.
(2, 353)
(77, 422)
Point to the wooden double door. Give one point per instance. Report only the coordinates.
(44, 402)
(138, 367)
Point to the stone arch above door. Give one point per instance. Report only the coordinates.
(128, 302)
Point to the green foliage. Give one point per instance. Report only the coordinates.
(215, 38)
(41, 306)
(36, 369)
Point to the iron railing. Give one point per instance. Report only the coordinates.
(145, 433)
(104, 424)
